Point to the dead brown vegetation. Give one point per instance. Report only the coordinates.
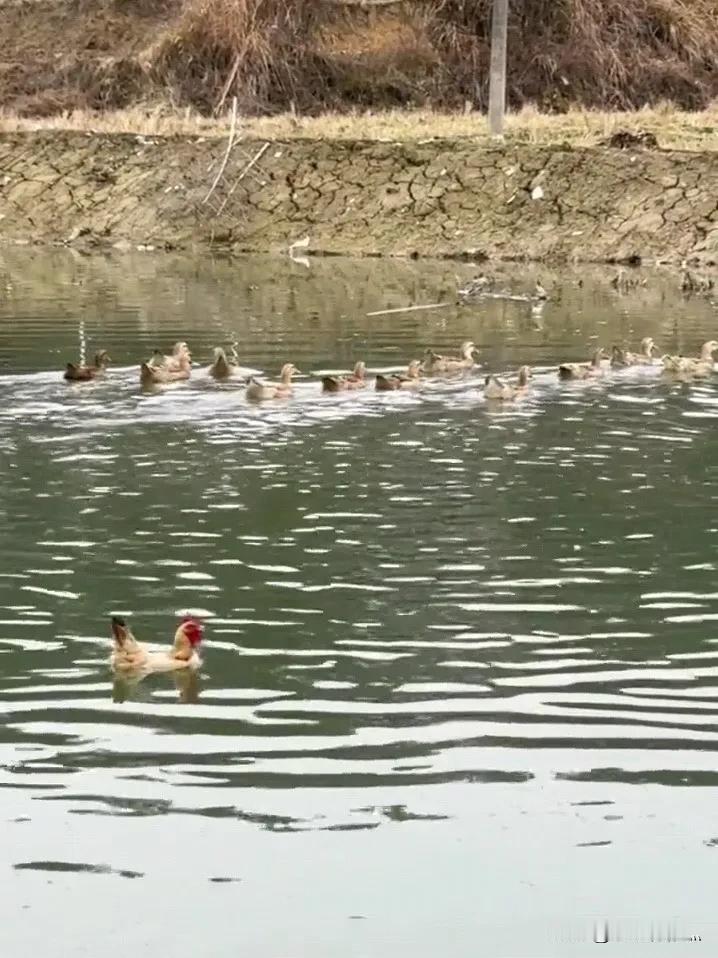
(313, 55)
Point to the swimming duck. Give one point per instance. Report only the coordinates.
(153, 374)
(622, 357)
(258, 390)
(699, 367)
(582, 370)
(496, 388)
(435, 363)
(355, 380)
(223, 366)
(82, 374)
(618, 357)
(175, 361)
(128, 655)
(407, 380)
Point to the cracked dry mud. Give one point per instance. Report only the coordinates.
(433, 198)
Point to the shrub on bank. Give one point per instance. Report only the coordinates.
(342, 54)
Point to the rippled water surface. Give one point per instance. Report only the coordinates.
(459, 688)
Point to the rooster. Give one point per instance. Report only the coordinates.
(129, 655)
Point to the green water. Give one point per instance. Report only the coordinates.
(459, 689)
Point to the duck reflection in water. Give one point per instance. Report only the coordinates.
(129, 688)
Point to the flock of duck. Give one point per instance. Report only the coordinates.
(176, 366)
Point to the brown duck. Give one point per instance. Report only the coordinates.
(622, 357)
(699, 367)
(434, 363)
(258, 390)
(408, 380)
(154, 374)
(354, 380)
(582, 370)
(498, 389)
(82, 374)
(223, 366)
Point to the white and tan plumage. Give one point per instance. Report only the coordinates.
(386, 382)
(258, 391)
(699, 367)
(154, 372)
(130, 656)
(582, 370)
(434, 363)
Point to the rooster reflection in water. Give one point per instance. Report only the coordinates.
(130, 688)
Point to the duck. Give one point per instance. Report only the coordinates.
(175, 361)
(408, 380)
(82, 374)
(435, 363)
(618, 357)
(128, 655)
(223, 366)
(154, 374)
(496, 388)
(582, 370)
(622, 357)
(699, 367)
(354, 380)
(258, 390)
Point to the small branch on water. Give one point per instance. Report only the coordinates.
(408, 309)
(257, 156)
(230, 144)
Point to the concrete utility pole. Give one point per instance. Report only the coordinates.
(497, 78)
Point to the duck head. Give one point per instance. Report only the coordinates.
(468, 350)
(648, 347)
(708, 349)
(102, 358)
(288, 370)
(360, 369)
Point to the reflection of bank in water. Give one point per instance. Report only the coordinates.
(125, 687)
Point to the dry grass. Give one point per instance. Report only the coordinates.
(322, 55)
(673, 128)
(612, 54)
(256, 50)
(618, 54)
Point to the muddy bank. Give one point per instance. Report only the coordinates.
(434, 198)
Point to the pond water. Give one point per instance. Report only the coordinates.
(459, 692)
